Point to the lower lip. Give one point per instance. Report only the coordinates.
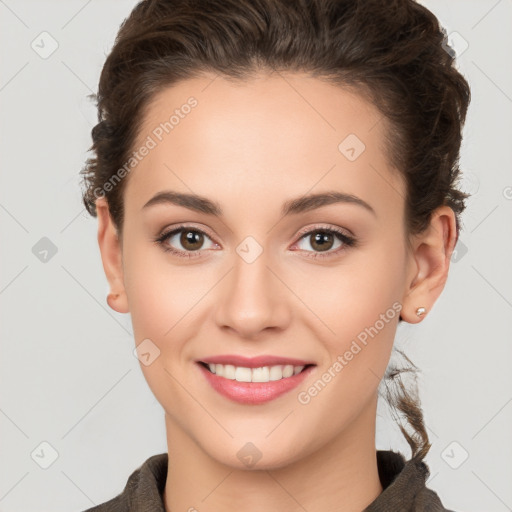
(253, 392)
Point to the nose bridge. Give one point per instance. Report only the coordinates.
(251, 278)
(252, 299)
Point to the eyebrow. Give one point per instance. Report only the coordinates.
(291, 207)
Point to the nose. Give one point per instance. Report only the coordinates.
(253, 298)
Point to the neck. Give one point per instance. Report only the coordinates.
(342, 476)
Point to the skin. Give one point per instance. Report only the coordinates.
(252, 146)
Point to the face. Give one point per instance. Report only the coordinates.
(272, 272)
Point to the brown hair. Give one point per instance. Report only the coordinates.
(394, 53)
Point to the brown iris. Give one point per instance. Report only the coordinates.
(194, 238)
(322, 239)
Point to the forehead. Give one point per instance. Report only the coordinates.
(268, 137)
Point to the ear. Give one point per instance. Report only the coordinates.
(111, 256)
(430, 256)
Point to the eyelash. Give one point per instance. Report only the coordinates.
(347, 240)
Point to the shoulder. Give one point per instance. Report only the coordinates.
(143, 490)
(404, 486)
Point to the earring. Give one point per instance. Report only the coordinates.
(110, 298)
(421, 311)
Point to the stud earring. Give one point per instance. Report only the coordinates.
(421, 311)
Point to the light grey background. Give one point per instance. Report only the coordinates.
(68, 374)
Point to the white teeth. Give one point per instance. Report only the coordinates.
(288, 370)
(276, 373)
(243, 374)
(262, 374)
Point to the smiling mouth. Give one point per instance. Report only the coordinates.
(261, 374)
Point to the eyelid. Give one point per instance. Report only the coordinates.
(324, 227)
(182, 226)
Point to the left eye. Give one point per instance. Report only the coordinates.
(323, 239)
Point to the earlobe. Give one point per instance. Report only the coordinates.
(430, 263)
(111, 257)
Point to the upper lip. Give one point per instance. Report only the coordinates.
(254, 362)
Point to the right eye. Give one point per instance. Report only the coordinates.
(191, 240)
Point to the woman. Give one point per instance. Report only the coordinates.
(275, 186)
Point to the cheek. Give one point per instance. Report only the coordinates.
(352, 297)
(359, 353)
(150, 309)
(159, 293)
(360, 306)
(161, 310)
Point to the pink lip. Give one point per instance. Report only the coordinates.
(253, 392)
(254, 362)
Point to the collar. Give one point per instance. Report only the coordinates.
(403, 485)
